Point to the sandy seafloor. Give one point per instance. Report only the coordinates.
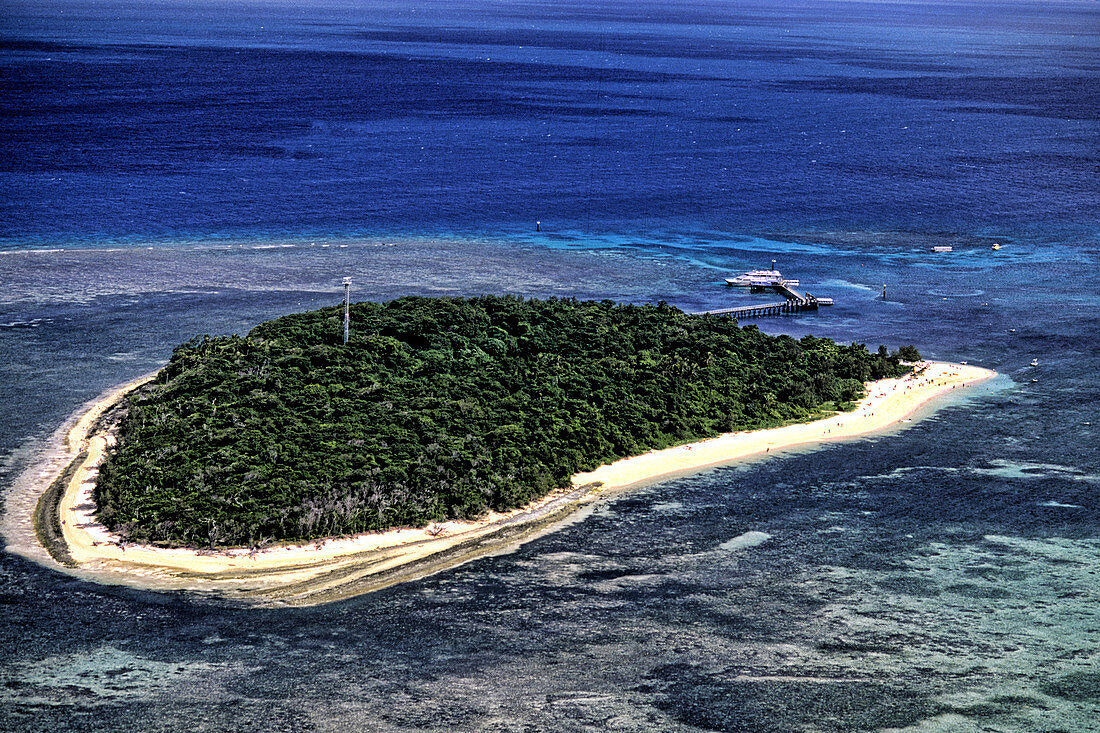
(943, 577)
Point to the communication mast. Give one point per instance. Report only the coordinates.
(347, 307)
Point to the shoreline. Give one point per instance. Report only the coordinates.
(331, 569)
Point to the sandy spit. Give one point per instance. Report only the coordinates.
(333, 569)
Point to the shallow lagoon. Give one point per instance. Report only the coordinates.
(944, 573)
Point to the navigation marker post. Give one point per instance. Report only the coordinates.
(347, 307)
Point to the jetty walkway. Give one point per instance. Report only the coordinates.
(795, 302)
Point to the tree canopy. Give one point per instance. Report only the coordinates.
(440, 408)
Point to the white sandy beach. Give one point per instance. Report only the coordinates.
(888, 403)
(324, 570)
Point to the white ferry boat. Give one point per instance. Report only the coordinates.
(760, 279)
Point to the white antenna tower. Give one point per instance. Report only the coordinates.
(347, 307)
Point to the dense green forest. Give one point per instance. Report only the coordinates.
(440, 408)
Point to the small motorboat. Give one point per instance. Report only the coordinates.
(995, 247)
(1034, 362)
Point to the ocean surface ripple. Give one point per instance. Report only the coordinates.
(178, 169)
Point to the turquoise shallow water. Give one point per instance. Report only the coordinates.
(940, 578)
(180, 170)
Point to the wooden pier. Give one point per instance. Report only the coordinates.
(795, 302)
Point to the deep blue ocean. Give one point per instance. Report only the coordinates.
(177, 168)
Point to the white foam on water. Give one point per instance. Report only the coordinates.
(742, 541)
(1052, 503)
(1002, 468)
(848, 284)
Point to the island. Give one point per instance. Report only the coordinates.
(287, 466)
